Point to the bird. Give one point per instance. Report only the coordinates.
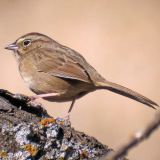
(58, 73)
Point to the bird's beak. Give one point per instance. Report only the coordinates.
(12, 46)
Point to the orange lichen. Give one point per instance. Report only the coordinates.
(84, 154)
(47, 121)
(31, 149)
(3, 154)
(62, 122)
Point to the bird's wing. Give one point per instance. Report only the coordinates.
(60, 65)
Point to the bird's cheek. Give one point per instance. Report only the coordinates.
(22, 51)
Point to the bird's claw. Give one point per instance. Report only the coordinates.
(21, 97)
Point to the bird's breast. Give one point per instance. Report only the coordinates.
(27, 71)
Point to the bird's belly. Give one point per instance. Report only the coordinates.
(43, 83)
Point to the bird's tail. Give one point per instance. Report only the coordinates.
(126, 92)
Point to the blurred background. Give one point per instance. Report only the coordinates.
(121, 39)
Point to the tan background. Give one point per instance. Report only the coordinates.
(121, 39)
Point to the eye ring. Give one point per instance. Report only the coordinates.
(26, 42)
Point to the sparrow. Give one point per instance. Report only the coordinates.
(59, 74)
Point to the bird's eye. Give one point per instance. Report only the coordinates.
(26, 42)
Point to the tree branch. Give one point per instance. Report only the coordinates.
(138, 138)
(28, 132)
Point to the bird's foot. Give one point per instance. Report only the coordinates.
(34, 104)
(64, 120)
(27, 99)
(21, 97)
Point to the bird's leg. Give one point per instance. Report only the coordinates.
(33, 98)
(71, 106)
(67, 117)
(43, 96)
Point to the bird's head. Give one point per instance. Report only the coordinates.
(29, 42)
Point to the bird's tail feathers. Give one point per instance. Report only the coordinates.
(116, 88)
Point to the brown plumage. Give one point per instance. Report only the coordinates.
(51, 68)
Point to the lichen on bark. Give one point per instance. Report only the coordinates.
(27, 132)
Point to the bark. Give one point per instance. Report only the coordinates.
(27, 132)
